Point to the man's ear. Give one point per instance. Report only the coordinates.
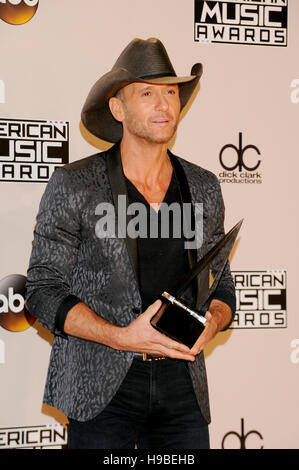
(116, 108)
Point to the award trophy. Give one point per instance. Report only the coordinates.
(176, 318)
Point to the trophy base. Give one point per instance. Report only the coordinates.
(176, 323)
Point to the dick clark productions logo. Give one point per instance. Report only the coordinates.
(17, 12)
(240, 163)
(232, 437)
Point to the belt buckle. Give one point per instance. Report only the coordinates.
(146, 358)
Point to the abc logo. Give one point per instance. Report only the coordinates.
(17, 11)
(14, 315)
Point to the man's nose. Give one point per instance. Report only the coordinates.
(162, 102)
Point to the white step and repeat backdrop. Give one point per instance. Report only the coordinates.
(242, 125)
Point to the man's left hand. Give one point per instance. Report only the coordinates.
(218, 316)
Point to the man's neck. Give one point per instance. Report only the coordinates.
(145, 162)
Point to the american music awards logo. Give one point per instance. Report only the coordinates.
(30, 150)
(240, 163)
(48, 436)
(251, 22)
(260, 299)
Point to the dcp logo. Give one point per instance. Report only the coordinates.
(17, 11)
(14, 315)
(241, 438)
(240, 152)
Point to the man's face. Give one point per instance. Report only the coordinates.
(151, 112)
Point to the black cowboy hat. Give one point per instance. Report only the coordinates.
(141, 61)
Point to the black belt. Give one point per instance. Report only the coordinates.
(148, 357)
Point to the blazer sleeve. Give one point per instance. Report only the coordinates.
(54, 254)
(225, 290)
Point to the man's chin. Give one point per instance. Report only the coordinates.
(158, 138)
(153, 136)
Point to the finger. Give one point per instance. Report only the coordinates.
(197, 350)
(198, 346)
(169, 343)
(161, 338)
(208, 315)
(174, 354)
(153, 308)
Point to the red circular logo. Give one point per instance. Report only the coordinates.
(14, 316)
(17, 11)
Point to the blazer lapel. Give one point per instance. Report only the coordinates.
(119, 188)
(186, 198)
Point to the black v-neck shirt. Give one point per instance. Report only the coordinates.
(162, 259)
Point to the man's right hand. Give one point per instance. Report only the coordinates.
(140, 336)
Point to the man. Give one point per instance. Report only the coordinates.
(118, 380)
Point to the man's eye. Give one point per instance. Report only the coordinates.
(171, 91)
(146, 93)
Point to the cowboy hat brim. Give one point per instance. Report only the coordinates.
(96, 116)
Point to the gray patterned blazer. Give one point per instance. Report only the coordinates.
(69, 263)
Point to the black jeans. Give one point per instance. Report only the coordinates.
(155, 407)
